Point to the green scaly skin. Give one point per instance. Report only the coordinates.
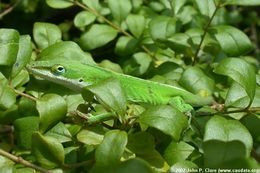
(76, 76)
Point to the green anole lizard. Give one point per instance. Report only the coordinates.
(76, 76)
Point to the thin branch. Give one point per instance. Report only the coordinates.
(204, 34)
(6, 129)
(172, 8)
(76, 165)
(23, 162)
(93, 11)
(255, 155)
(247, 110)
(102, 17)
(8, 10)
(25, 95)
(255, 37)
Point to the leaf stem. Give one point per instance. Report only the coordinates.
(25, 95)
(6, 129)
(8, 10)
(248, 110)
(93, 11)
(255, 38)
(23, 162)
(172, 9)
(76, 165)
(204, 35)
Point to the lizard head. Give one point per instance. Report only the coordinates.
(68, 74)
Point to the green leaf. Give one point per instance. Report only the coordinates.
(27, 107)
(187, 14)
(24, 54)
(131, 165)
(232, 41)
(252, 121)
(46, 34)
(136, 24)
(20, 79)
(237, 97)
(83, 19)
(9, 45)
(47, 151)
(162, 27)
(66, 50)
(98, 35)
(9, 115)
(91, 136)
(184, 165)
(7, 94)
(138, 64)
(197, 82)
(111, 95)
(136, 4)
(242, 2)
(7, 168)
(206, 7)
(219, 128)
(140, 142)
(120, 9)
(256, 101)
(24, 128)
(59, 3)
(177, 152)
(168, 69)
(111, 66)
(143, 146)
(179, 43)
(92, 4)
(165, 118)
(52, 109)
(23, 170)
(177, 5)
(157, 6)
(195, 34)
(5, 162)
(218, 153)
(134, 165)
(109, 152)
(241, 72)
(74, 129)
(60, 133)
(73, 101)
(126, 46)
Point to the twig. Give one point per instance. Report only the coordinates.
(204, 34)
(6, 129)
(255, 155)
(8, 10)
(255, 37)
(93, 11)
(76, 165)
(172, 8)
(23, 162)
(256, 109)
(25, 95)
(248, 110)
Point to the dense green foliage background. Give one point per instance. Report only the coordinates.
(208, 47)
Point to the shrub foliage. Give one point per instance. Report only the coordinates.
(208, 47)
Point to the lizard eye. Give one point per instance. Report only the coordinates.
(58, 69)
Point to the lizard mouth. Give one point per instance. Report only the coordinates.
(45, 73)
